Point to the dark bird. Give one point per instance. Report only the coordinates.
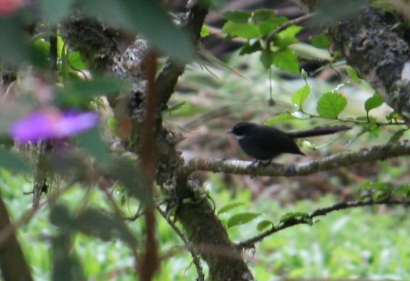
(264, 143)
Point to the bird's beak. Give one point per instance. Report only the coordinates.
(229, 132)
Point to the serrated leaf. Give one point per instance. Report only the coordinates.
(373, 102)
(280, 118)
(330, 105)
(299, 97)
(287, 60)
(397, 135)
(242, 218)
(229, 207)
(320, 41)
(287, 36)
(264, 224)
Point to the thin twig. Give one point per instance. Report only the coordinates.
(316, 213)
(194, 255)
(282, 27)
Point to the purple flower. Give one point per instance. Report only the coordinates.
(52, 124)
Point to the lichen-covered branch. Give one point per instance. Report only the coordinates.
(374, 45)
(343, 159)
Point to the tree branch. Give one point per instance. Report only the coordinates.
(247, 244)
(343, 159)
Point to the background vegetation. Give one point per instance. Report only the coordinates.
(98, 203)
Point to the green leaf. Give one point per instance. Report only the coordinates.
(280, 118)
(381, 186)
(320, 41)
(397, 135)
(93, 144)
(264, 15)
(403, 189)
(299, 97)
(287, 36)
(79, 93)
(289, 217)
(242, 30)
(287, 60)
(330, 105)
(102, 225)
(249, 48)
(132, 177)
(76, 61)
(60, 216)
(264, 224)
(373, 102)
(237, 16)
(353, 74)
(242, 218)
(204, 31)
(13, 162)
(147, 18)
(13, 33)
(266, 58)
(229, 207)
(39, 53)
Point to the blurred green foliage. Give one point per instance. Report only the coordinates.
(366, 242)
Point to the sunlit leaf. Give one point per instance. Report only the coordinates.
(286, 60)
(353, 74)
(288, 36)
(242, 30)
(280, 118)
(373, 102)
(330, 105)
(299, 97)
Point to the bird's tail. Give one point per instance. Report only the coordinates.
(319, 131)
